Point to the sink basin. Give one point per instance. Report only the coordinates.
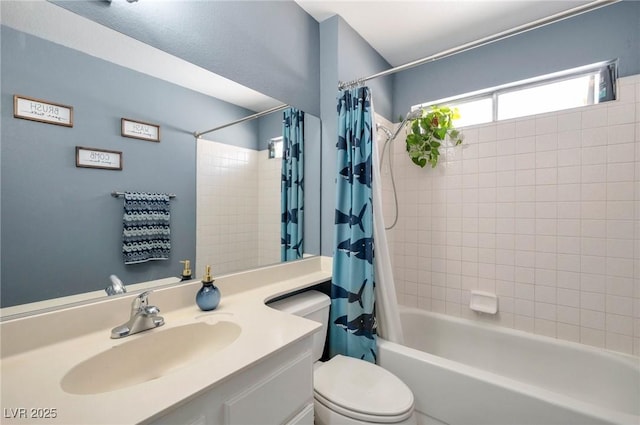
(148, 356)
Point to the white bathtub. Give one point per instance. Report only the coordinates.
(466, 372)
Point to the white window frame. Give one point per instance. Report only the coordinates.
(495, 92)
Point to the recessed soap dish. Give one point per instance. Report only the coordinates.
(484, 302)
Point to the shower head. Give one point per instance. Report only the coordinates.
(412, 115)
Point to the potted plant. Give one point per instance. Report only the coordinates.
(429, 131)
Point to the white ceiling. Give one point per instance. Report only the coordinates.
(403, 31)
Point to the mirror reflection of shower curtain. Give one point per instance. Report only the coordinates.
(292, 186)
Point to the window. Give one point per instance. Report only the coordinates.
(275, 148)
(566, 94)
(572, 88)
(475, 111)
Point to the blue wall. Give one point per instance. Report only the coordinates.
(603, 34)
(61, 231)
(269, 46)
(356, 58)
(344, 56)
(328, 115)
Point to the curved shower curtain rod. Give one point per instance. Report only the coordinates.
(481, 42)
(248, 118)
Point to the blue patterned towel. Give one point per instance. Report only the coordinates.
(146, 233)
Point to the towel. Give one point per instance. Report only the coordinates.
(146, 233)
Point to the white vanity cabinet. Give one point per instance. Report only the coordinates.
(263, 377)
(275, 390)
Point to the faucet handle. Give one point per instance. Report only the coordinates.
(151, 310)
(140, 302)
(143, 296)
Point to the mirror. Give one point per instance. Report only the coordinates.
(61, 228)
(239, 198)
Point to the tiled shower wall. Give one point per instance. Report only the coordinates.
(270, 178)
(543, 211)
(234, 219)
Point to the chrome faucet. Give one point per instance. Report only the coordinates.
(115, 287)
(143, 317)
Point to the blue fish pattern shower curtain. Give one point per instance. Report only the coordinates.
(292, 186)
(352, 327)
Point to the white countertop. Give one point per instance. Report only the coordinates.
(37, 351)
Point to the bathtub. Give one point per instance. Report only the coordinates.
(467, 372)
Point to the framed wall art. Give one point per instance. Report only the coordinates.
(98, 158)
(140, 130)
(39, 110)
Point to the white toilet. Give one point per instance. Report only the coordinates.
(349, 391)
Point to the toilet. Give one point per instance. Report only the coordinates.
(348, 391)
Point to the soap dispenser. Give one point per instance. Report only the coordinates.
(208, 297)
(186, 271)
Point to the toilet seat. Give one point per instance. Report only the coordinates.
(362, 391)
(359, 416)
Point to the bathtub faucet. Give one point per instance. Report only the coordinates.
(143, 317)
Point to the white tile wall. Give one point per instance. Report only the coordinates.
(231, 234)
(269, 182)
(544, 211)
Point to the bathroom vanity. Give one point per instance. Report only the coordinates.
(241, 363)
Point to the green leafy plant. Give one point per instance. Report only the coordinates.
(429, 131)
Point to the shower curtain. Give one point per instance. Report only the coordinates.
(352, 327)
(389, 326)
(292, 186)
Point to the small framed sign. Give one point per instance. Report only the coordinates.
(32, 109)
(140, 130)
(98, 158)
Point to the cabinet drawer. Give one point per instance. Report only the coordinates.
(275, 399)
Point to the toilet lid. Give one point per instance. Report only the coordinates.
(362, 387)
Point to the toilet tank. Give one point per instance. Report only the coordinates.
(312, 305)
